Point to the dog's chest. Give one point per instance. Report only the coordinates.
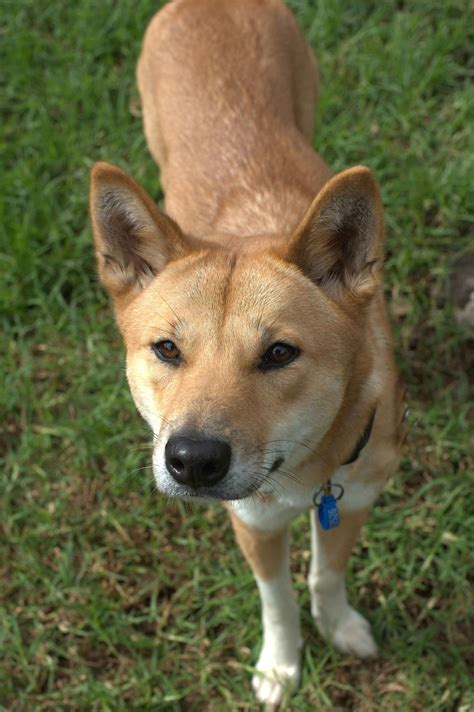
(274, 512)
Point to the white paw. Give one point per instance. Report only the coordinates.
(350, 634)
(270, 685)
(274, 676)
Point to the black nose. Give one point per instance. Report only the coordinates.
(197, 462)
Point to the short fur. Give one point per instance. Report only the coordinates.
(259, 245)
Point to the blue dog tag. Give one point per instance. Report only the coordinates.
(327, 512)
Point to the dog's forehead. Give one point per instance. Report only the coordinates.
(244, 299)
(246, 287)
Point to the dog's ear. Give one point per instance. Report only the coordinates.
(133, 238)
(339, 242)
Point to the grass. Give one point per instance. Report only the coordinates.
(103, 605)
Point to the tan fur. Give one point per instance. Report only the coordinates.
(339, 542)
(261, 246)
(263, 551)
(234, 153)
(239, 176)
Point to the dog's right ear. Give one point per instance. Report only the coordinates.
(133, 238)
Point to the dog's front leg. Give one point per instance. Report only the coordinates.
(267, 552)
(336, 619)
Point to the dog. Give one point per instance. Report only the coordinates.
(258, 345)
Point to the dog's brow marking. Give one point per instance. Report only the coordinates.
(232, 261)
(227, 287)
(263, 331)
(179, 320)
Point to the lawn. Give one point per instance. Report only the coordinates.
(113, 598)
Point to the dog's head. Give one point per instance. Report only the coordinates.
(237, 358)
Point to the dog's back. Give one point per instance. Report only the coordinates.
(228, 92)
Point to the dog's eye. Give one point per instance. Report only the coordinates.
(166, 351)
(278, 355)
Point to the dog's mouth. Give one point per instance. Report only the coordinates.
(203, 495)
(225, 493)
(278, 463)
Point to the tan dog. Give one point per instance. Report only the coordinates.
(258, 347)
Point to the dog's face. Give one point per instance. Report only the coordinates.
(225, 349)
(236, 360)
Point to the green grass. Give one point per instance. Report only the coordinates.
(113, 598)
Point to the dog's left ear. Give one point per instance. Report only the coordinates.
(339, 242)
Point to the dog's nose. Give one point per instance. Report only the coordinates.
(197, 462)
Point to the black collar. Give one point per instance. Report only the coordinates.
(362, 441)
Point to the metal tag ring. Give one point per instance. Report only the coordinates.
(341, 491)
(321, 489)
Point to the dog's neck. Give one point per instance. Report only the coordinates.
(358, 406)
(360, 400)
